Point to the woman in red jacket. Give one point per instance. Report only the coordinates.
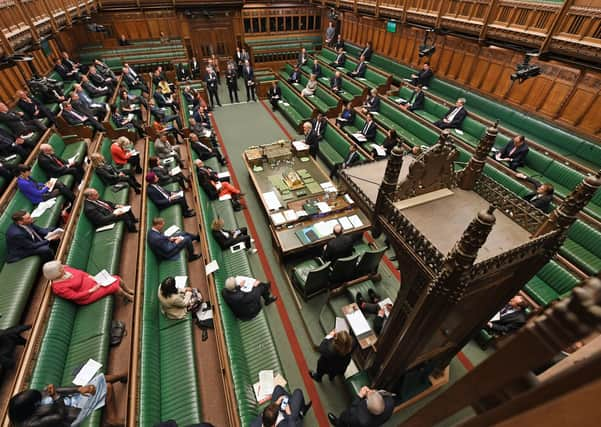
(80, 287)
(122, 155)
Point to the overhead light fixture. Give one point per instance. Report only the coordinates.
(525, 70)
(427, 49)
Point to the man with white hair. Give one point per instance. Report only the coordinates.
(243, 296)
(311, 139)
(55, 167)
(371, 408)
(454, 117)
(103, 212)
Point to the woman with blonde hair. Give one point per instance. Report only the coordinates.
(110, 175)
(122, 152)
(335, 355)
(311, 87)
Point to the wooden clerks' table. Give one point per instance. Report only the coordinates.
(301, 203)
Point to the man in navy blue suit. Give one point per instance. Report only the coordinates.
(359, 69)
(514, 153)
(168, 247)
(25, 239)
(165, 198)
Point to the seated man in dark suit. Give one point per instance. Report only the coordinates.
(7, 171)
(25, 239)
(160, 115)
(360, 69)
(93, 90)
(164, 198)
(351, 158)
(336, 82)
(83, 104)
(339, 247)
(98, 80)
(423, 77)
(295, 76)
(372, 102)
(165, 101)
(203, 151)
(55, 167)
(18, 124)
(33, 108)
(285, 410)
(167, 248)
(10, 145)
(416, 100)
(514, 153)
(319, 124)
(65, 74)
(340, 59)
(228, 238)
(542, 196)
(133, 81)
(371, 408)
(367, 51)
(316, 68)
(274, 94)
(511, 317)
(369, 129)
(243, 296)
(103, 212)
(454, 117)
(75, 118)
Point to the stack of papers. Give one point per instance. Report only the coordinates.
(271, 200)
(323, 207)
(290, 215)
(380, 151)
(355, 220)
(345, 223)
(358, 323)
(104, 278)
(341, 325)
(175, 171)
(327, 186)
(106, 227)
(54, 233)
(171, 231)
(359, 137)
(43, 207)
(267, 382)
(348, 199)
(181, 281)
(87, 372)
(224, 174)
(278, 218)
(51, 183)
(211, 267)
(300, 145)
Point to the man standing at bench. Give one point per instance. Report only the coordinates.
(454, 117)
(25, 239)
(243, 296)
(168, 247)
(311, 139)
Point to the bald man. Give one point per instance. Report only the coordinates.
(103, 212)
(339, 247)
(56, 167)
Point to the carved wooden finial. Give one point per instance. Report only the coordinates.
(566, 213)
(469, 175)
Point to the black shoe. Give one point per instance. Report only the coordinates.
(359, 299)
(136, 220)
(315, 376)
(193, 257)
(189, 214)
(333, 419)
(138, 170)
(373, 296)
(270, 300)
(196, 237)
(132, 230)
(305, 409)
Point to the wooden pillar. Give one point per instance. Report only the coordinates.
(492, 6)
(398, 347)
(557, 19)
(558, 327)
(391, 177)
(566, 213)
(467, 177)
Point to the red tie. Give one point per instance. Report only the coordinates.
(58, 161)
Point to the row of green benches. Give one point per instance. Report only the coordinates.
(169, 386)
(18, 278)
(573, 147)
(76, 333)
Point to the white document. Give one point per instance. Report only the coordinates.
(54, 233)
(211, 267)
(459, 131)
(175, 171)
(133, 152)
(300, 145)
(106, 227)
(43, 207)
(358, 323)
(130, 117)
(87, 372)
(290, 215)
(345, 223)
(301, 213)
(278, 218)
(355, 220)
(323, 207)
(327, 185)
(206, 133)
(171, 231)
(380, 151)
(341, 325)
(225, 197)
(11, 157)
(104, 278)
(51, 183)
(246, 283)
(181, 281)
(224, 174)
(266, 381)
(122, 210)
(321, 229)
(331, 224)
(496, 317)
(179, 194)
(360, 137)
(73, 159)
(384, 302)
(272, 201)
(348, 199)
(237, 248)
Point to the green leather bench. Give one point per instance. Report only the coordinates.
(250, 344)
(17, 279)
(334, 147)
(582, 247)
(350, 90)
(322, 100)
(75, 333)
(551, 283)
(169, 386)
(297, 111)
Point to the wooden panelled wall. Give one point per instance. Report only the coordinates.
(565, 94)
(15, 77)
